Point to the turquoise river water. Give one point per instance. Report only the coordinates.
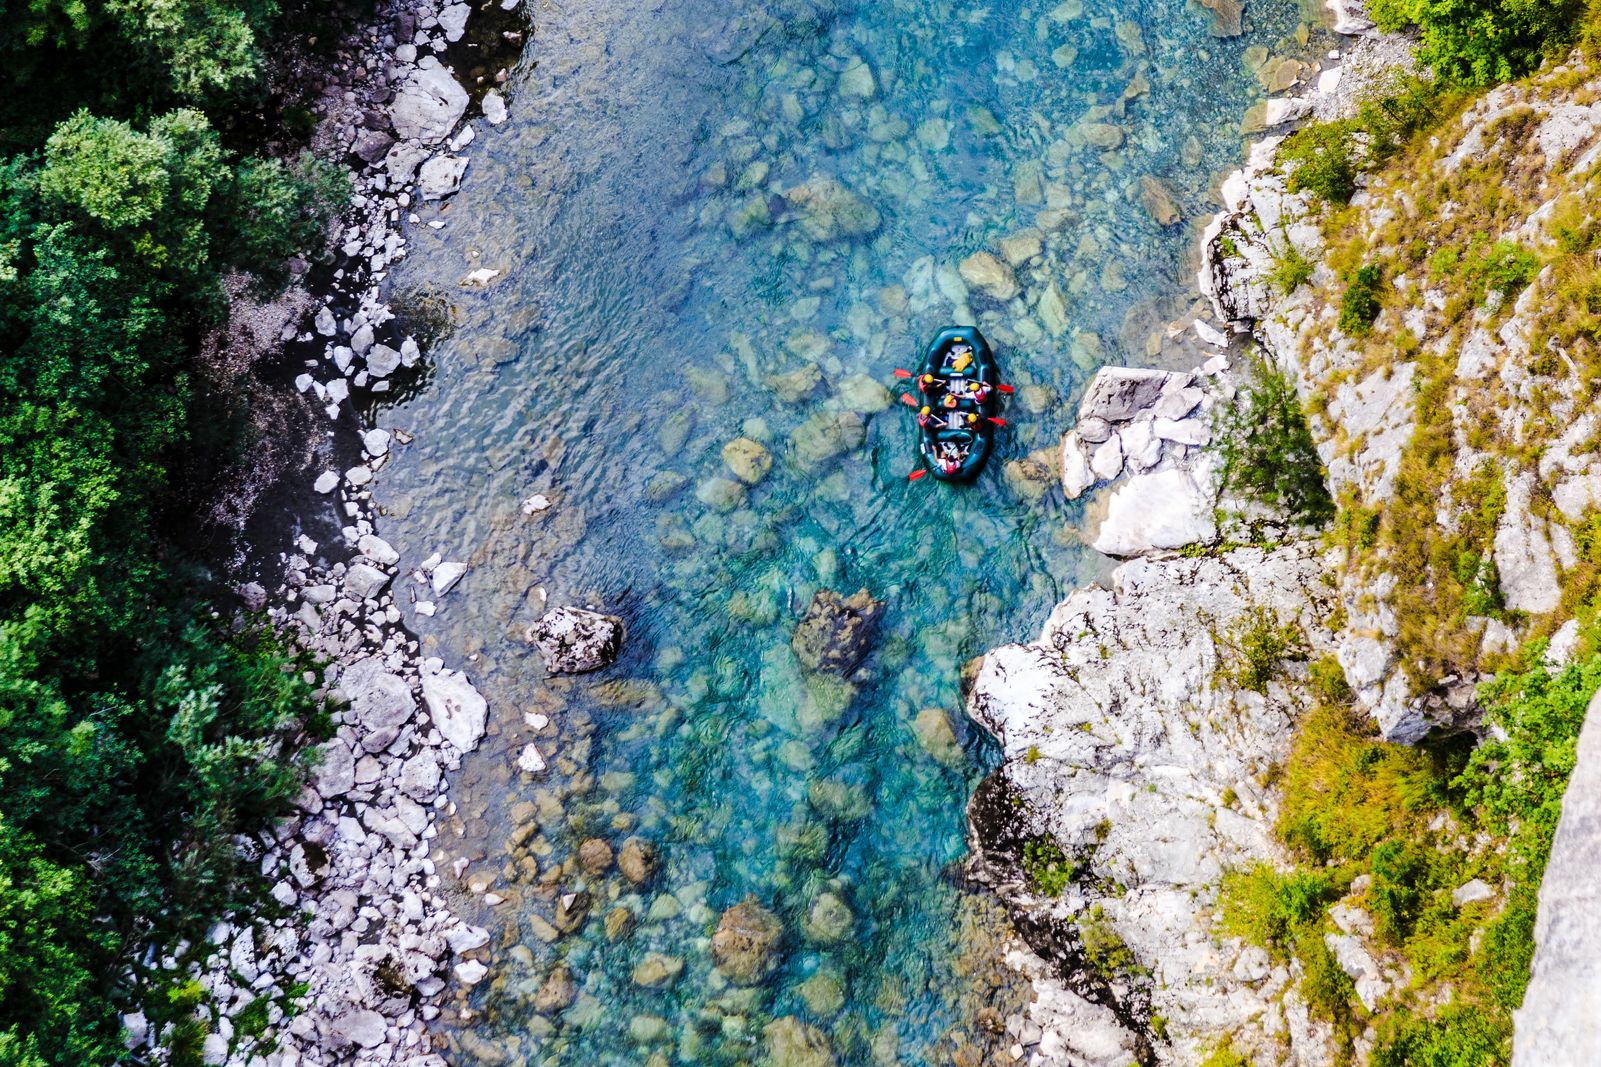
(728, 220)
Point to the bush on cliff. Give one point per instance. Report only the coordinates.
(1416, 823)
(1482, 42)
(139, 732)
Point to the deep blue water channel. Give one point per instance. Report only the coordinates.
(663, 290)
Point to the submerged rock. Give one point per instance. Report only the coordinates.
(557, 993)
(748, 460)
(745, 947)
(637, 860)
(826, 435)
(829, 920)
(938, 738)
(573, 641)
(989, 276)
(827, 210)
(837, 632)
(595, 856)
(792, 1043)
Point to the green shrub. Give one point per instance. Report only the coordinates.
(1267, 454)
(1323, 159)
(1046, 866)
(1402, 108)
(1482, 42)
(1259, 644)
(1290, 270)
(1223, 1055)
(1269, 909)
(1458, 1036)
(1360, 304)
(1328, 989)
(1400, 885)
(1504, 267)
(1104, 949)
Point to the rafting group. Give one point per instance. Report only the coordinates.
(959, 404)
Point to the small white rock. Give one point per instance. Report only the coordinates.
(446, 575)
(326, 482)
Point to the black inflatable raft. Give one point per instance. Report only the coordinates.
(958, 393)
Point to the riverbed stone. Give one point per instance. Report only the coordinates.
(595, 855)
(792, 1043)
(748, 460)
(637, 861)
(856, 80)
(1159, 202)
(745, 946)
(720, 494)
(989, 276)
(793, 387)
(836, 632)
(823, 993)
(657, 970)
(827, 210)
(575, 641)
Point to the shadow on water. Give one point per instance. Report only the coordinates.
(713, 224)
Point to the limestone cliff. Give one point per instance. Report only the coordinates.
(1449, 401)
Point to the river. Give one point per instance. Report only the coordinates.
(711, 222)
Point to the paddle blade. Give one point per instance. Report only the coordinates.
(999, 422)
(901, 372)
(906, 398)
(912, 477)
(1008, 390)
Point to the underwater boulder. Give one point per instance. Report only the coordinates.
(573, 641)
(837, 632)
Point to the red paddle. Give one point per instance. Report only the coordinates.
(912, 477)
(906, 398)
(999, 422)
(900, 373)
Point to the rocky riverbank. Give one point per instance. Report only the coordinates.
(1141, 738)
(352, 967)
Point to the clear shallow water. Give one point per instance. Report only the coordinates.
(654, 283)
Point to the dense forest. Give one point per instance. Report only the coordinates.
(140, 729)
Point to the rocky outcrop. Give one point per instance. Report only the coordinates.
(1152, 426)
(1128, 745)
